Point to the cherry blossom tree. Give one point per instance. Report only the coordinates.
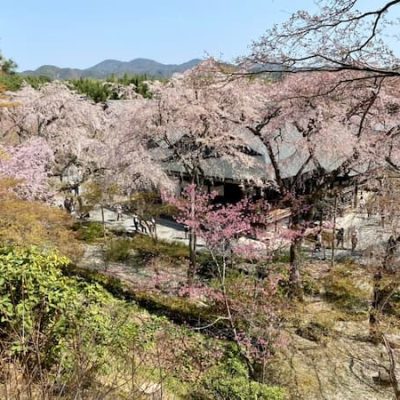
(217, 225)
(181, 121)
(72, 126)
(88, 140)
(128, 161)
(341, 35)
(350, 46)
(202, 115)
(181, 125)
(300, 117)
(24, 169)
(249, 308)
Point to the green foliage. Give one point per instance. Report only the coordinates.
(206, 265)
(111, 284)
(36, 81)
(94, 89)
(149, 205)
(11, 82)
(89, 231)
(341, 289)
(14, 82)
(147, 247)
(310, 285)
(230, 380)
(118, 250)
(100, 91)
(178, 309)
(7, 66)
(138, 80)
(38, 302)
(73, 330)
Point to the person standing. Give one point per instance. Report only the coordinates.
(68, 204)
(319, 244)
(136, 223)
(383, 215)
(119, 212)
(340, 238)
(362, 204)
(153, 226)
(142, 226)
(354, 241)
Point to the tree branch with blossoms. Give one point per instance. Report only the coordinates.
(220, 227)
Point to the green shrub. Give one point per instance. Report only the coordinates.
(36, 81)
(138, 80)
(11, 82)
(310, 285)
(99, 91)
(118, 250)
(89, 231)
(206, 265)
(282, 257)
(230, 381)
(147, 247)
(341, 289)
(14, 82)
(92, 88)
(73, 320)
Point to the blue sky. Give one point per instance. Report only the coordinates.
(81, 33)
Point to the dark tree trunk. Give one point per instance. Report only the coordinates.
(192, 258)
(103, 222)
(334, 232)
(392, 368)
(375, 308)
(355, 198)
(382, 292)
(295, 285)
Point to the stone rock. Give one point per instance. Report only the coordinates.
(151, 391)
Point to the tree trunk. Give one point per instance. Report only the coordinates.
(192, 243)
(355, 199)
(334, 233)
(192, 257)
(392, 368)
(381, 296)
(295, 285)
(381, 292)
(374, 333)
(103, 221)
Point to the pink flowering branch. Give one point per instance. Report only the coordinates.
(220, 226)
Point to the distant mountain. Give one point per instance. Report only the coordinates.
(118, 68)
